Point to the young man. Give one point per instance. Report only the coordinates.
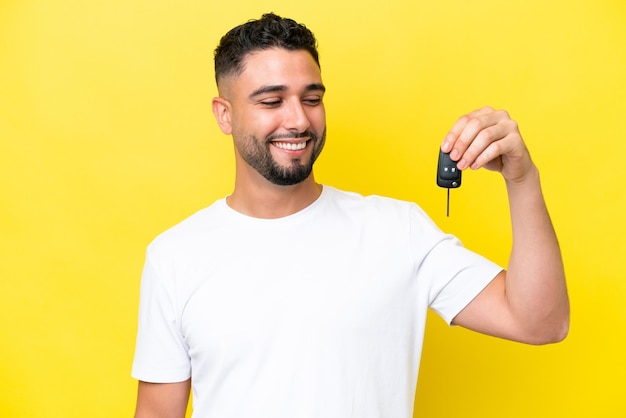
(292, 299)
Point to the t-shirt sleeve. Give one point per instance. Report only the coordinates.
(454, 274)
(459, 280)
(160, 352)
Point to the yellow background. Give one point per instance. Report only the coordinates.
(107, 139)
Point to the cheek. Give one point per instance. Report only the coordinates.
(318, 118)
(261, 124)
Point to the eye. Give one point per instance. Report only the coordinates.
(270, 103)
(312, 101)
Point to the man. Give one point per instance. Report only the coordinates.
(292, 299)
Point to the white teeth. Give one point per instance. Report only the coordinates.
(290, 146)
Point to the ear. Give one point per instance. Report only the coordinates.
(221, 110)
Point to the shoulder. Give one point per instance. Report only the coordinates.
(191, 231)
(378, 206)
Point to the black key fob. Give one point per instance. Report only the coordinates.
(448, 175)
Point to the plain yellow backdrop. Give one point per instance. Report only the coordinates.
(107, 139)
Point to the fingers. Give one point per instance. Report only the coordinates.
(480, 137)
(460, 125)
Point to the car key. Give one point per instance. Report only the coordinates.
(448, 175)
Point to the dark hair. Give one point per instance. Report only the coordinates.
(271, 31)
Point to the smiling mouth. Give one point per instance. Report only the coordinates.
(290, 146)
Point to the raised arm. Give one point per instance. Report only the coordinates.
(528, 302)
(162, 400)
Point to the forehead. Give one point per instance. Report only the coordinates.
(278, 66)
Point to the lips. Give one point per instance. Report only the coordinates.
(290, 146)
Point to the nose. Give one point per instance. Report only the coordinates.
(295, 117)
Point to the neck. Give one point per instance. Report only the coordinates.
(265, 200)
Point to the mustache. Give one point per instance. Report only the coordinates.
(292, 135)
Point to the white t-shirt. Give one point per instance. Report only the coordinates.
(317, 314)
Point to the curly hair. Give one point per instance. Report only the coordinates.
(271, 31)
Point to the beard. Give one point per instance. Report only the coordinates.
(257, 154)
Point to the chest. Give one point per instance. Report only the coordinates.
(264, 292)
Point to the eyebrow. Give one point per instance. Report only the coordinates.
(281, 88)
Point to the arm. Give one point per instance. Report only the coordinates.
(529, 301)
(162, 400)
